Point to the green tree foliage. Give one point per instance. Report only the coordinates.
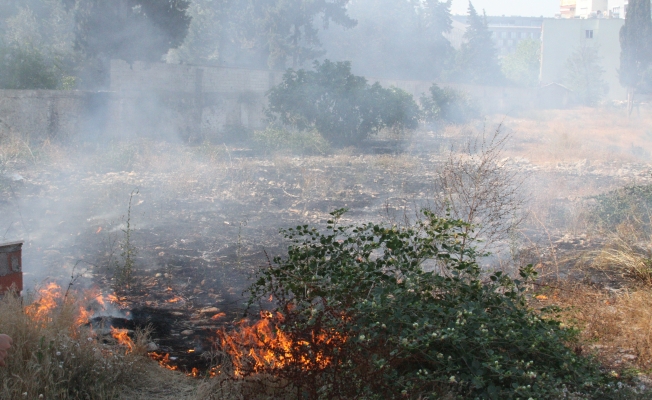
(36, 45)
(477, 60)
(635, 43)
(130, 30)
(202, 44)
(585, 75)
(259, 33)
(636, 49)
(407, 313)
(448, 105)
(395, 39)
(343, 107)
(522, 67)
(25, 68)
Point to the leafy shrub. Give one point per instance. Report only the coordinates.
(281, 139)
(26, 68)
(448, 105)
(343, 107)
(384, 312)
(631, 204)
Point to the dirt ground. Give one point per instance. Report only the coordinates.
(203, 218)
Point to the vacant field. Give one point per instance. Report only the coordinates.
(203, 218)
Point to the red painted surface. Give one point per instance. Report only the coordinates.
(11, 259)
(8, 281)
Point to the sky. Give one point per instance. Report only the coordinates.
(525, 8)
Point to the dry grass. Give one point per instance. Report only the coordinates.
(616, 326)
(54, 357)
(595, 134)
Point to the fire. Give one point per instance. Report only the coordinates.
(218, 316)
(262, 346)
(163, 360)
(84, 316)
(122, 337)
(49, 297)
(175, 299)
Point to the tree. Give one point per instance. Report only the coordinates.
(448, 105)
(477, 60)
(522, 66)
(260, 33)
(636, 49)
(131, 30)
(343, 107)
(202, 44)
(585, 75)
(36, 45)
(395, 39)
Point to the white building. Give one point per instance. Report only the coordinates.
(562, 37)
(592, 9)
(618, 8)
(506, 32)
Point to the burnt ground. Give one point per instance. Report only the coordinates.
(203, 219)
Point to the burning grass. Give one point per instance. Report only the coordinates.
(55, 356)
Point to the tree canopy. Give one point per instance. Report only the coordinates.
(131, 30)
(636, 47)
(260, 33)
(477, 60)
(395, 39)
(343, 107)
(522, 66)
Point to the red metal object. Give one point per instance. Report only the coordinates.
(11, 267)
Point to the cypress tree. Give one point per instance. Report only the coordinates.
(636, 48)
(477, 59)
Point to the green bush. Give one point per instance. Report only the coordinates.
(291, 140)
(343, 107)
(448, 105)
(383, 312)
(26, 68)
(631, 204)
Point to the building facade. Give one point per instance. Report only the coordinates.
(507, 32)
(618, 8)
(562, 37)
(593, 8)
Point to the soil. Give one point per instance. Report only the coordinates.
(204, 219)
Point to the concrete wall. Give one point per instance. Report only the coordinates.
(562, 37)
(185, 102)
(42, 114)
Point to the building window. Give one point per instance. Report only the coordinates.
(589, 33)
(513, 35)
(503, 34)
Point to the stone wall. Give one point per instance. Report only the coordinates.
(184, 102)
(41, 114)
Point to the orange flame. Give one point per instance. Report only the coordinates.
(218, 316)
(84, 316)
(262, 346)
(163, 360)
(175, 299)
(122, 337)
(49, 298)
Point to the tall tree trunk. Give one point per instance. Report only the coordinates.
(630, 101)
